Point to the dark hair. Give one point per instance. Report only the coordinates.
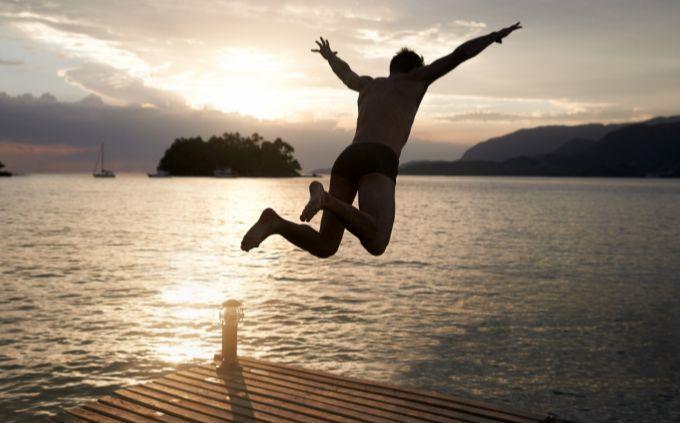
(405, 61)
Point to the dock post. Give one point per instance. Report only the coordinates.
(230, 315)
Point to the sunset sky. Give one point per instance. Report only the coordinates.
(137, 74)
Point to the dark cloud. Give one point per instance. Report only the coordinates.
(43, 134)
(4, 62)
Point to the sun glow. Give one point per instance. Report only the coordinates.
(241, 80)
(246, 81)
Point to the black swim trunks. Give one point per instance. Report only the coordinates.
(362, 158)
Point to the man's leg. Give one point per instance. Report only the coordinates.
(321, 244)
(358, 222)
(376, 198)
(372, 222)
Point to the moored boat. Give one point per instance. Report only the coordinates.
(102, 173)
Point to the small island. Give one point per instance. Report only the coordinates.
(244, 156)
(2, 172)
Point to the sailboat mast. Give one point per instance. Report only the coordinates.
(96, 163)
(102, 157)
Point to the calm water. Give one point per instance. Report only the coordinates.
(549, 294)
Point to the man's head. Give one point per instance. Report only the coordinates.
(405, 61)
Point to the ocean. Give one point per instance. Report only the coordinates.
(551, 294)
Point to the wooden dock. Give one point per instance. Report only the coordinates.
(251, 390)
(260, 391)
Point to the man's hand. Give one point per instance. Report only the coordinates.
(324, 49)
(505, 32)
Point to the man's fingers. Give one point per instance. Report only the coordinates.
(316, 50)
(318, 44)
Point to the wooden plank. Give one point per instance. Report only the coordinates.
(240, 406)
(436, 406)
(368, 407)
(64, 417)
(351, 396)
(379, 415)
(91, 416)
(197, 405)
(148, 413)
(425, 393)
(292, 403)
(171, 407)
(432, 398)
(271, 413)
(115, 413)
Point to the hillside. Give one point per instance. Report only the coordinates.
(635, 151)
(544, 140)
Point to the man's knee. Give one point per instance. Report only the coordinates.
(326, 250)
(375, 247)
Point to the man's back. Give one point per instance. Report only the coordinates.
(387, 109)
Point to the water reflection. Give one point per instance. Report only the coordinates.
(181, 351)
(187, 294)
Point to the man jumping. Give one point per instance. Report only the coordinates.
(387, 108)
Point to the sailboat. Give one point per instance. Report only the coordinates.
(103, 173)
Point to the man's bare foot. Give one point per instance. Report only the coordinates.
(260, 230)
(317, 197)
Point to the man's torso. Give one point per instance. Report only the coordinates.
(387, 109)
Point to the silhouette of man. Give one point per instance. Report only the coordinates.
(368, 166)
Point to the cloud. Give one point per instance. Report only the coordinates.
(161, 71)
(432, 41)
(120, 87)
(539, 118)
(27, 150)
(470, 24)
(83, 46)
(484, 117)
(4, 62)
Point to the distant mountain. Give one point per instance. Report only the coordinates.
(544, 140)
(574, 146)
(637, 150)
(458, 167)
(634, 150)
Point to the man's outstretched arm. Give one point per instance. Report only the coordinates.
(340, 67)
(465, 51)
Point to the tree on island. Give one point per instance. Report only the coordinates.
(246, 156)
(3, 173)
